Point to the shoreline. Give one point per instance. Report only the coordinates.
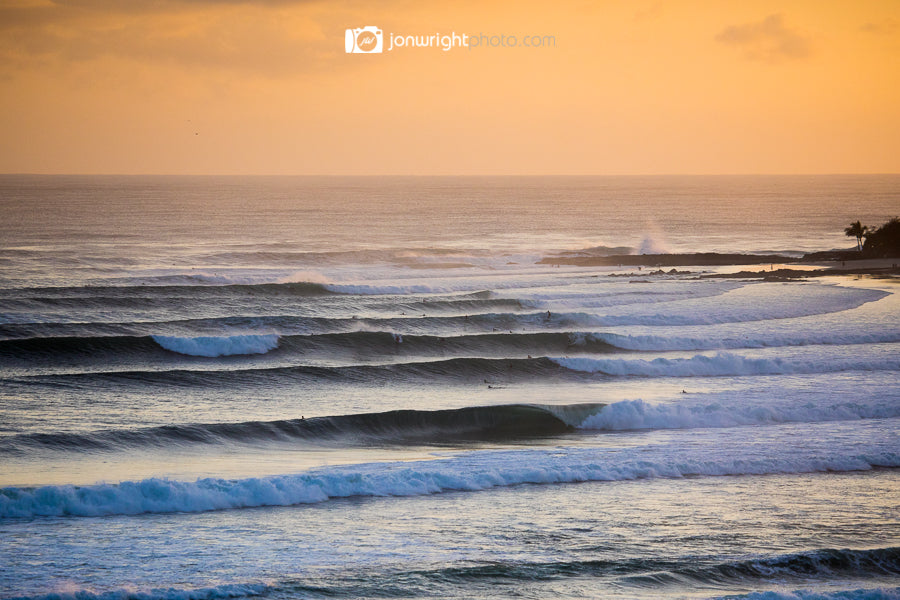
(889, 272)
(693, 259)
(867, 266)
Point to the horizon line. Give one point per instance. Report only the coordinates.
(424, 175)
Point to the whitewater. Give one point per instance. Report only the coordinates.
(384, 387)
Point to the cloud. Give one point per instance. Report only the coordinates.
(768, 40)
(276, 37)
(651, 13)
(887, 26)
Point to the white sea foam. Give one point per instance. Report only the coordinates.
(304, 277)
(725, 364)
(856, 594)
(212, 346)
(758, 302)
(637, 414)
(515, 283)
(756, 339)
(221, 592)
(220, 278)
(471, 472)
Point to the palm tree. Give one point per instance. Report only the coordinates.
(857, 230)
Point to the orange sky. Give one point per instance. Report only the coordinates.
(630, 87)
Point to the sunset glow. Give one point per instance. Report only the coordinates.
(177, 86)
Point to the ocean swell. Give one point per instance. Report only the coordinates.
(477, 423)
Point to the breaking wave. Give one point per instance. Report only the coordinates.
(376, 343)
(637, 414)
(466, 472)
(723, 364)
(651, 343)
(858, 594)
(218, 346)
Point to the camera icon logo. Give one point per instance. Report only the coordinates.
(363, 40)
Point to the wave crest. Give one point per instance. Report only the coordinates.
(213, 346)
(477, 423)
(637, 414)
(222, 592)
(721, 364)
(466, 472)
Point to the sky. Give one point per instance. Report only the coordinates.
(601, 88)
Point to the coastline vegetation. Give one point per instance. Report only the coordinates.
(881, 242)
(859, 231)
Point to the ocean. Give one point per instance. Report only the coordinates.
(385, 387)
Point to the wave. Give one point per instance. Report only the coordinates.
(410, 323)
(304, 283)
(405, 256)
(857, 594)
(221, 592)
(152, 301)
(698, 572)
(637, 414)
(466, 370)
(97, 350)
(438, 427)
(490, 371)
(466, 472)
(453, 284)
(68, 354)
(626, 572)
(240, 298)
(693, 572)
(452, 426)
(654, 343)
(723, 364)
(218, 346)
(470, 301)
(751, 304)
(272, 307)
(598, 251)
(586, 298)
(178, 286)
